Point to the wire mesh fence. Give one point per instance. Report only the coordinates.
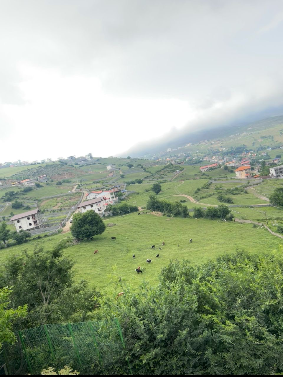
(88, 347)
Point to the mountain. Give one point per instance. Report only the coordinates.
(181, 138)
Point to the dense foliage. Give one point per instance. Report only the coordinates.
(221, 212)
(7, 316)
(224, 317)
(276, 198)
(174, 209)
(121, 209)
(43, 281)
(87, 225)
(156, 188)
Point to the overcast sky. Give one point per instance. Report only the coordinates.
(101, 76)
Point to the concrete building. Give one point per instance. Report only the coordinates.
(98, 205)
(243, 172)
(26, 220)
(276, 172)
(108, 194)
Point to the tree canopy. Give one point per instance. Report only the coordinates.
(87, 225)
(156, 187)
(276, 198)
(43, 281)
(7, 316)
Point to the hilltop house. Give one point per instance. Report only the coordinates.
(108, 194)
(27, 182)
(98, 205)
(276, 171)
(243, 172)
(206, 167)
(26, 220)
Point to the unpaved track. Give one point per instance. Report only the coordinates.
(68, 224)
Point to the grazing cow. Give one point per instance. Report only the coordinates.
(113, 238)
(138, 270)
(191, 240)
(120, 294)
(134, 256)
(157, 255)
(163, 243)
(95, 252)
(148, 260)
(160, 248)
(153, 246)
(139, 213)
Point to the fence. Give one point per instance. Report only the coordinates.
(88, 347)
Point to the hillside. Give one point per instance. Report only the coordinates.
(266, 132)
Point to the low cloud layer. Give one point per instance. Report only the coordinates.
(209, 62)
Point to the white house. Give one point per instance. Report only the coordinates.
(26, 220)
(276, 171)
(98, 205)
(108, 194)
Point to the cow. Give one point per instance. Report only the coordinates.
(95, 252)
(138, 270)
(134, 256)
(148, 260)
(191, 240)
(120, 294)
(153, 246)
(163, 243)
(157, 255)
(113, 238)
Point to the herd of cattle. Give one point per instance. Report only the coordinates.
(138, 270)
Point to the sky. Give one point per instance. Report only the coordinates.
(109, 77)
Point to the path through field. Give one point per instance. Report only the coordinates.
(68, 224)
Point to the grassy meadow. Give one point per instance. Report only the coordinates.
(136, 234)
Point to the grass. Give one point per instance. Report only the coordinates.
(135, 235)
(8, 172)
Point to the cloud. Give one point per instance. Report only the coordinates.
(137, 68)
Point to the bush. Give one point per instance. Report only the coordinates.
(17, 205)
(87, 225)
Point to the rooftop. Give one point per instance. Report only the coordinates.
(24, 214)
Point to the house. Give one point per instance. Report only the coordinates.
(26, 220)
(243, 172)
(27, 182)
(108, 194)
(206, 167)
(98, 205)
(276, 171)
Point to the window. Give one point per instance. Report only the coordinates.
(18, 221)
(20, 227)
(91, 205)
(28, 218)
(30, 224)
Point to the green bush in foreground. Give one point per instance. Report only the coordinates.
(224, 317)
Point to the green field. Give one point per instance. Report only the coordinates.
(136, 234)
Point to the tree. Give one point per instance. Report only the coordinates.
(4, 233)
(156, 188)
(21, 236)
(276, 198)
(87, 225)
(17, 205)
(43, 280)
(7, 316)
(199, 212)
(222, 317)
(223, 211)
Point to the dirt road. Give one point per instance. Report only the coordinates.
(68, 224)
